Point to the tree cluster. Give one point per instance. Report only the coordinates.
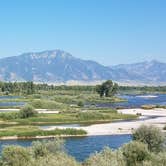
(17, 87)
(107, 89)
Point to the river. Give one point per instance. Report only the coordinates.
(136, 101)
(81, 147)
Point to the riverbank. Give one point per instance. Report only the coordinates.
(40, 137)
(156, 117)
(32, 132)
(42, 111)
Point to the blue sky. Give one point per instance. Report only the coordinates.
(107, 31)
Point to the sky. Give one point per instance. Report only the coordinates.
(107, 31)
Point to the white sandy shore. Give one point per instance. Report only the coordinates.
(155, 117)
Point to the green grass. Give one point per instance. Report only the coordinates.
(64, 101)
(91, 117)
(86, 98)
(61, 99)
(47, 104)
(31, 131)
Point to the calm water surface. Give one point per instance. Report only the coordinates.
(6, 104)
(81, 147)
(8, 97)
(134, 101)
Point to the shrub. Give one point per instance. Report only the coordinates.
(106, 158)
(164, 128)
(43, 148)
(135, 153)
(159, 159)
(150, 135)
(91, 115)
(15, 156)
(27, 111)
(46, 104)
(80, 104)
(44, 153)
(35, 96)
(60, 159)
(9, 115)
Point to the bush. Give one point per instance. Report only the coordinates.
(27, 111)
(47, 104)
(52, 153)
(15, 156)
(60, 159)
(44, 153)
(43, 148)
(106, 158)
(150, 135)
(9, 115)
(35, 96)
(135, 153)
(91, 115)
(159, 159)
(164, 128)
(80, 104)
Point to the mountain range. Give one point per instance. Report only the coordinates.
(57, 66)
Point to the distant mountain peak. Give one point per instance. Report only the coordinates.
(48, 54)
(53, 66)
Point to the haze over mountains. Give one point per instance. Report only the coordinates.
(57, 66)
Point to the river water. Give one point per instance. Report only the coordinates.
(12, 103)
(136, 101)
(81, 147)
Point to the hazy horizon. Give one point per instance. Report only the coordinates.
(106, 31)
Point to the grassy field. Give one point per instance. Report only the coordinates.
(61, 99)
(12, 125)
(74, 106)
(32, 131)
(29, 127)
(88, 116)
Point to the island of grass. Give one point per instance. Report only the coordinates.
(26, 123)
(15, 127)
(77, 116)
(29, 132)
